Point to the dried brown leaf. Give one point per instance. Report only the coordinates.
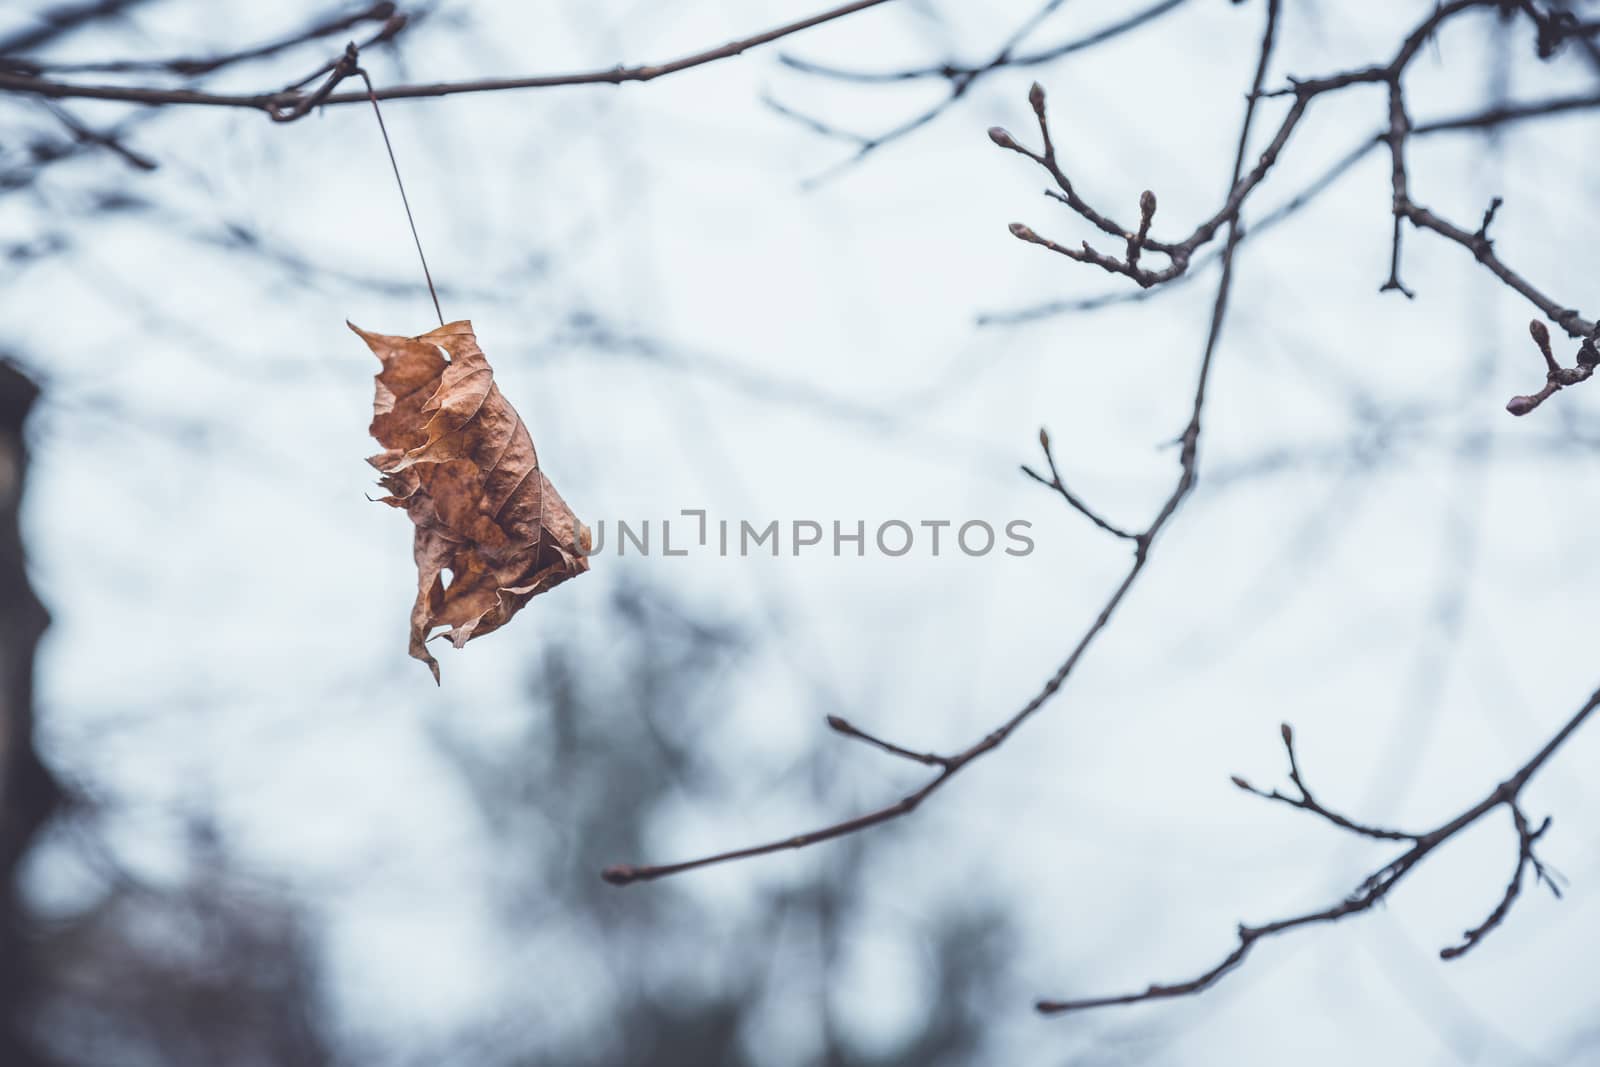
(459, 460)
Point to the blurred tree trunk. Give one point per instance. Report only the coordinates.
(27, 792)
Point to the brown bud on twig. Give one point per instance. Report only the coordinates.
(1242, 784)
(1022, 232)
(1288, 733)
(1036, 99)
(1541, 337)
(1540, 332)
(1002, 138)
(1147, 211)
(838, 724)
(1521, 405)
(1044, 439)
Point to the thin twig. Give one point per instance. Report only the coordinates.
(1477, 121)
(1306, 802)
(1055, 482)
(292, 102)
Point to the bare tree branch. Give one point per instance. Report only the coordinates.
(1478, 121)
(292, 101)
(950, 766)
(1054, 482)
(1306, 802)
(1405, 208)
(1377, 885)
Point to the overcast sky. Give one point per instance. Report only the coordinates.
(1377, 553)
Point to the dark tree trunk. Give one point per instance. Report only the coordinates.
(27, 791)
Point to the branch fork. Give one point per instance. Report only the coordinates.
(1557, 377)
